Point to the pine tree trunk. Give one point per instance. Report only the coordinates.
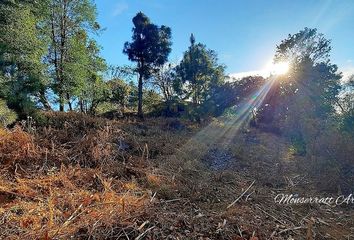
(70, 105)
(81, 106)
(140, 96)
(61, 103)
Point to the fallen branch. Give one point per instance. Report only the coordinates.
(153, 196)
(173, 200)
(143, 234)
(291, 229)
(241, 195)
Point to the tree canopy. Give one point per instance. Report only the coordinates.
(198, 73)
(306, 45)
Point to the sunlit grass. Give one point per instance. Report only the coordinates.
(223, 130)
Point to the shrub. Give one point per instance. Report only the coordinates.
(7, 116)
(172, 108)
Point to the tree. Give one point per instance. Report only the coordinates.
(125, 72)
(313, 75)
(305, 45)
(121, 88)
(151, 99)
(308, 94)
(119, 93)
(198, 73)
(48, 40)
(69, 53)
(150, 47)
(88, 85)
(163, 79)
(22, 48)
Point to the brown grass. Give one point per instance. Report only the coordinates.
(17, 146)
(60, 205)
(67, 180)
(78, 177)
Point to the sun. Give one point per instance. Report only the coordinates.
(279, 68)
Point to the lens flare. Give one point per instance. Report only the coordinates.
(280, 68)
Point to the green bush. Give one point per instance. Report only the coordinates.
(7, 116)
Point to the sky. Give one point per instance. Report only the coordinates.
(244, 33)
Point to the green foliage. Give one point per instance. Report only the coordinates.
(305, 45)
(150, 44)
(234, 93)
(29, 29)
(150, 47)
(298, 145)
(151, 100)
(94, 92)
(73, 56)
(311, 89)
(89, 86)
(302, 104)
(120, 92)
(7, 116)
(314, 87)
(133, 99)
(312, 75)
(22, 48)
(172, 108)
(164, 79)
(198, 74)
(121, 88)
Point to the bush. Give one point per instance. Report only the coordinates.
(7, 116)
(171, 108)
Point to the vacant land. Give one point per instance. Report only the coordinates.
(78, 177)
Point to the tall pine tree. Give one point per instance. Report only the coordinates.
(149, 48)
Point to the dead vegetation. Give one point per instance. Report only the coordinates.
(90, 178)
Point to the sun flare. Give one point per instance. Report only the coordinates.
(279, 68)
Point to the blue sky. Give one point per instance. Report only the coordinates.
(244, 33)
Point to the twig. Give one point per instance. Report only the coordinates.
(241, 195)
(274, 232)
(143, 225)
(76, 214)
(143, 234)
(239, 230)
(291, 229)
(173, 200)
(247, 197)
(73, 216)
(153, 196)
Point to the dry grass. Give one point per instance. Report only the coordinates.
(89, 178)
(71, 202)
(80, 177)
(17, 146)
(67, 180)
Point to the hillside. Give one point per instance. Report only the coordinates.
(176, 120)
(78, 177)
